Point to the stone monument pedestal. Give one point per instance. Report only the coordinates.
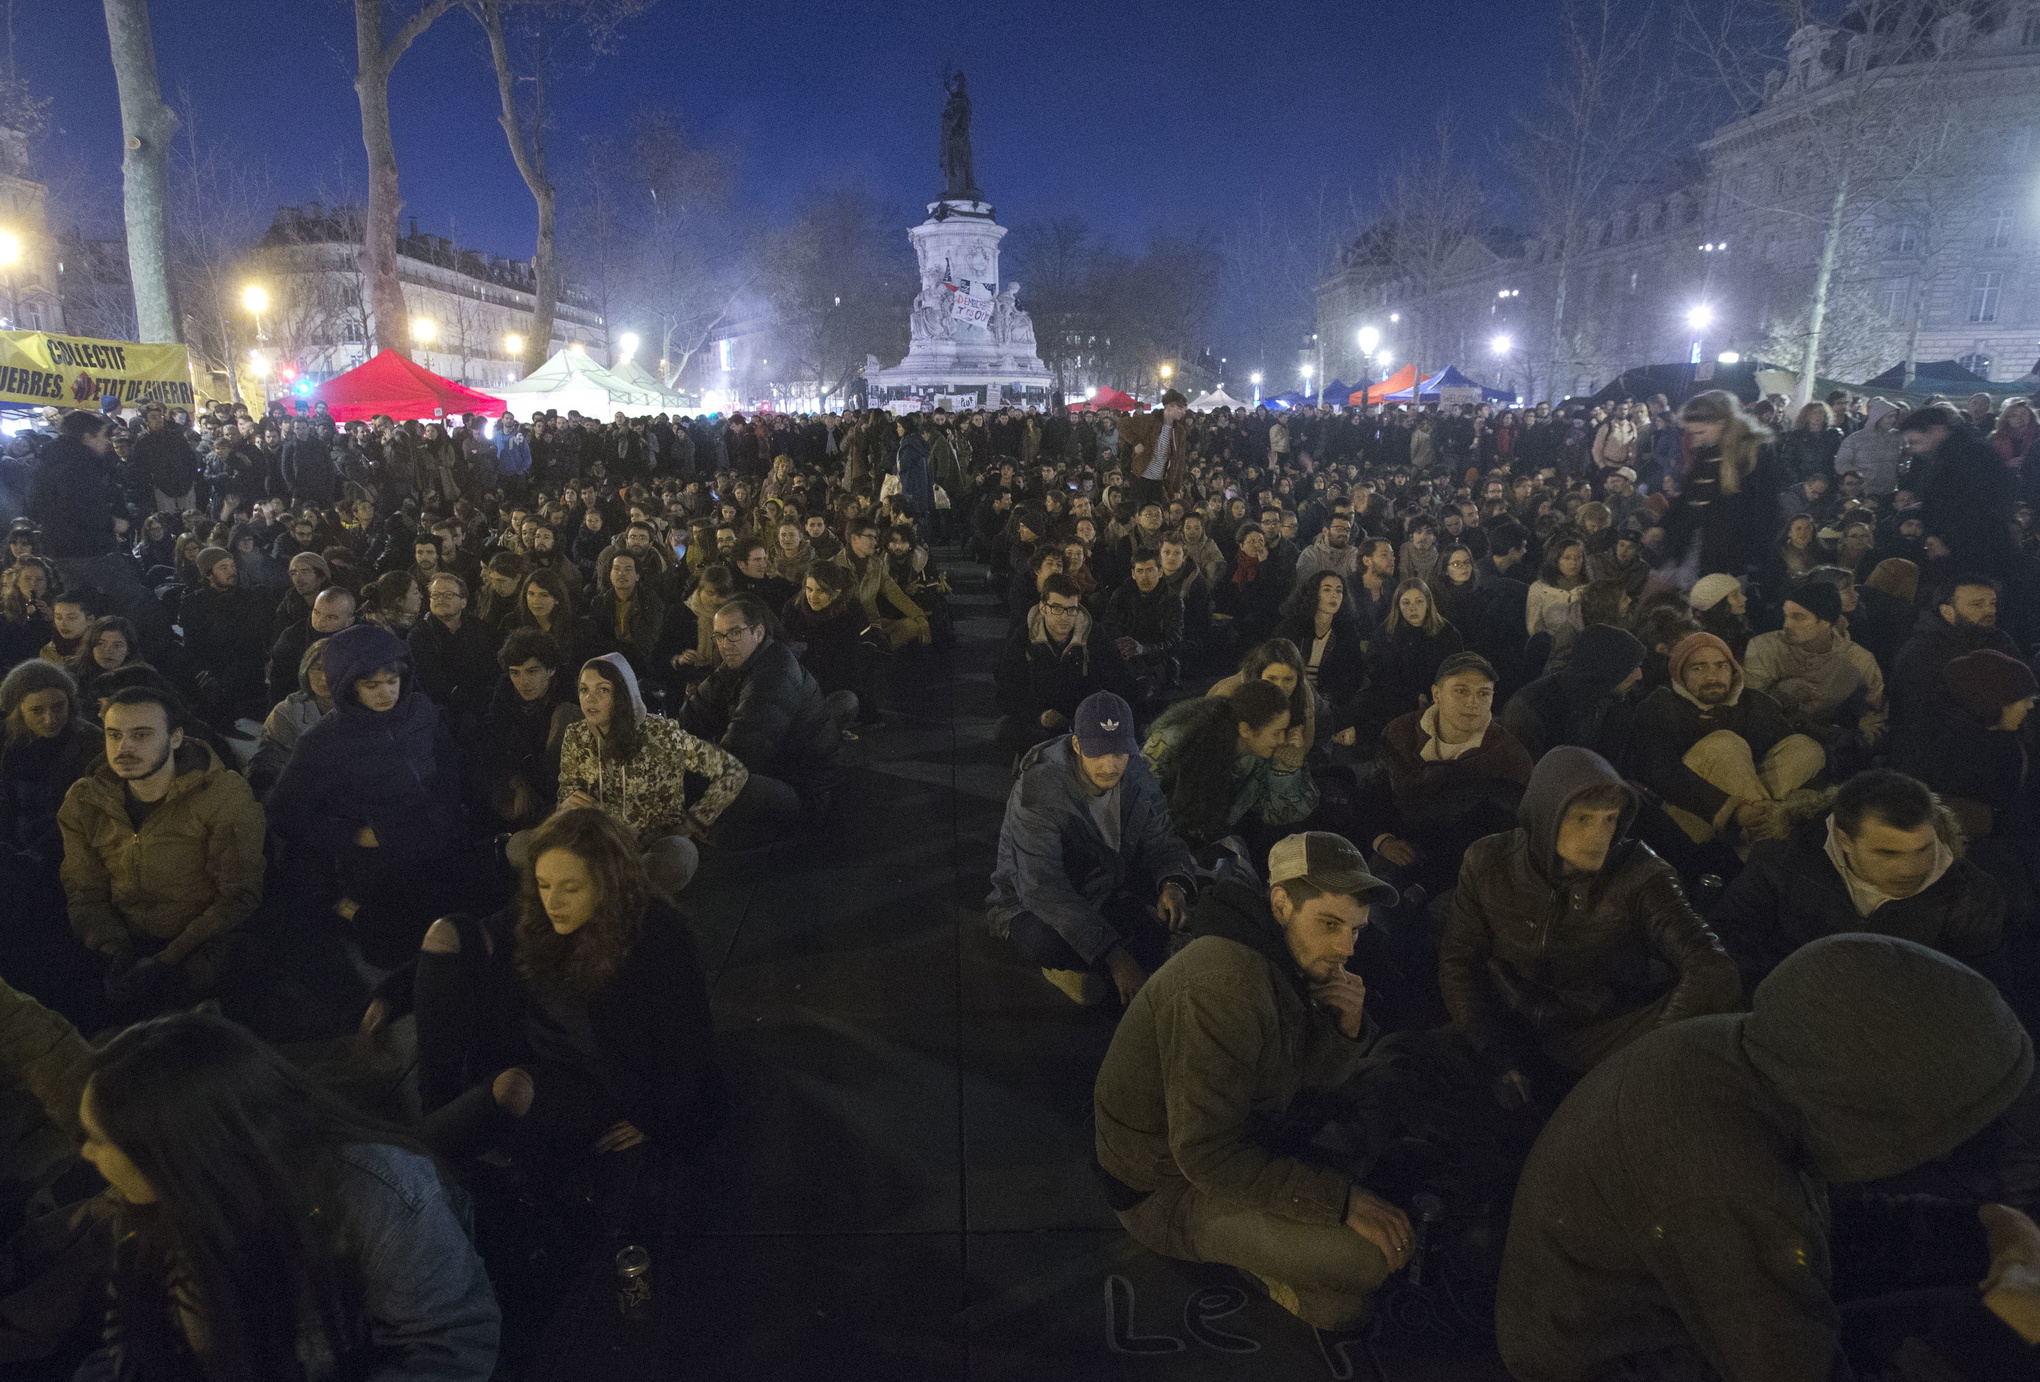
(971, 345)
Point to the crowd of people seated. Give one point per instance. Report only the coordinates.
(1623, 809)
(1617, 809)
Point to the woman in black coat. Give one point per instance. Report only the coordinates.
(1316, 610)
(1404, 658)
(573, 1023)
(835, 635)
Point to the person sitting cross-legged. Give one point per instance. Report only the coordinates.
(1145, 619)
(1091, 878)
(1567, 940)
(1248, 1022)
(1053, 658)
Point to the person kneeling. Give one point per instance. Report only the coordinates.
(1563, 937)
(572, 1024)
(1091, 877)
(1258, 1009)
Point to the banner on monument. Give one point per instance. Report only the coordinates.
(77, 371)
(970, 301)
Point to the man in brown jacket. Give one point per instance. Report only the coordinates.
(162, 856)
(1258, 1010)
(1567, 942)
(1155, 449)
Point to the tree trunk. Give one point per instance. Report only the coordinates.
(530, 160)
(1558, 319)
(147, 125)
(374, 57)
(1823, 277)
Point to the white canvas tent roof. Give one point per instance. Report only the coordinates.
(638, 377)
(1217, 398)
(572, 381)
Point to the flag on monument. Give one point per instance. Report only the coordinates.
(969, 301)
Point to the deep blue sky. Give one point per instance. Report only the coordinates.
(1130, 115)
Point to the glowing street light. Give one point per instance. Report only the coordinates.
(1369, 338)
(255, 298)
(1395, 317)
(258, 364)
(627, 345)
(1168, 373)
(1728, 357)
(578, 348)
(1701, 317)
(513, 346)
(423, 329)
(1501, 345)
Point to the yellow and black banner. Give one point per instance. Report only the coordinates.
(77, 372)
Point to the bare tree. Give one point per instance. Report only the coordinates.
(841, 282)
(1601, 112)
(220, 204)
(1053, 260)
(1430, 207)
(1276, 266)
(377, 52)
(147, 126)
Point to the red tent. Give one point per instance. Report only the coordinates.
(1111, 398)
(392, 385)
(1404, 378)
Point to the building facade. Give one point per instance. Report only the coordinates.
(1906, 153)
(30, 280)
(464, 306)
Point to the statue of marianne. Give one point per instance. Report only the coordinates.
(960, 178)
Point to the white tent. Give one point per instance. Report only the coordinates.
(638, 377)
(572, 381)
(1217, 398)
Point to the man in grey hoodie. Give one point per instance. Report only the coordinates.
(1673, 1218)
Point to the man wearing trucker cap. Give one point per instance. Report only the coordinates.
(1258, 1009)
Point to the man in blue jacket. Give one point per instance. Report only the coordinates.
(1091, 877)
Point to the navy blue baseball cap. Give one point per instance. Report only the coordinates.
(1104, 724)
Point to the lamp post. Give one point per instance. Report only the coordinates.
(626, 346)
(1168, 372)
(1369, 339)
(1699, 318)
(1255, 379)
(10, 256)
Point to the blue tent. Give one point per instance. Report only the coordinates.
(1449, 378)
(1292, 399)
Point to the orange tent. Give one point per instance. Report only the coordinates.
(1404, 378)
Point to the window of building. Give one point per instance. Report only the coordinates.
(1997, 230)
(2029, 36)
(1977, 364)
(1896, 294)
(1859, 54)
(1984, 294)
(1905, 238)
(1632, 280)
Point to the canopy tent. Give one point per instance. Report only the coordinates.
(637, 376)
(1449, 378)
(391, 385)
(1217, 398)
(1940, 376)
(1110, 398)
(1748, 380)
(571, 382)
(1292, 399)
(1402, 379)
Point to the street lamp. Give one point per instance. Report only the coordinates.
(1501, 345)
(626, 345)
(513, 346)
(1369, 338)
(1255, 380)
(10, 255)
(258, 364)
(1728, 357)
(423, 329)
(1701, 317)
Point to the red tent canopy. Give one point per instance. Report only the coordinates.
(392, 385)
(1111, 398)
(1404, 378)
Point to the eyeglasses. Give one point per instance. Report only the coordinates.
(1060, 609)
(731, 635)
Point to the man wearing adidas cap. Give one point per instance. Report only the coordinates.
(1091, 877)
(1258, 1009)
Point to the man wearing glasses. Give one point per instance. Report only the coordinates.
(763, 707)
(1054, 658)
(453, 656)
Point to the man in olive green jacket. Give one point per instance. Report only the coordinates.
(162, 855)
(1258, 1009)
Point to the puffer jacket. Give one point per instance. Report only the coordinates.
(394, 771)
(1525, 945)
(193, 871)
(1222, 1036)
(769, 714)
(1053, 860)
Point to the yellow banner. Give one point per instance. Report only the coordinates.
(76, 371)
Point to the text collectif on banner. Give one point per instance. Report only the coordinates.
(38, 367)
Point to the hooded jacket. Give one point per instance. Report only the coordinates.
(1222, 1036)
(1528, 946)
(648, 793)
(1670, 722)
(1676, 1204)
(393, 771)
(1053, 860)
(1577, 704)
(191, 872)
(1322, 556)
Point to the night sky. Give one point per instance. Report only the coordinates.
(1131, 116)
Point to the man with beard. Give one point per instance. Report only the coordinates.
(162, 857)
(1333, 551)
(1723, 757)
(1962, 621)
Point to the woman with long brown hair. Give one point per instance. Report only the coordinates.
(572, 1024)
(1721, 521)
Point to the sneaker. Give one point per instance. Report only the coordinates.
(1080, 985)
(1282, 1294)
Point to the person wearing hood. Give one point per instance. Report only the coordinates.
(290, 717)
(1258, 1013)
(1091, 878)
(1971, 750)
(371, 797)
(1964, 620)
(1720, 755)
(1568, 940)
(1821, 679)
(1673, 1218)
(1721, 607)
(1874, 450)
(634, 765)
(1585, 703)
(766, 709)
(1053, 658)
(1887, 859)
(162, 858)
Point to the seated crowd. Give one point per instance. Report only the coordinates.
(1617, 809)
